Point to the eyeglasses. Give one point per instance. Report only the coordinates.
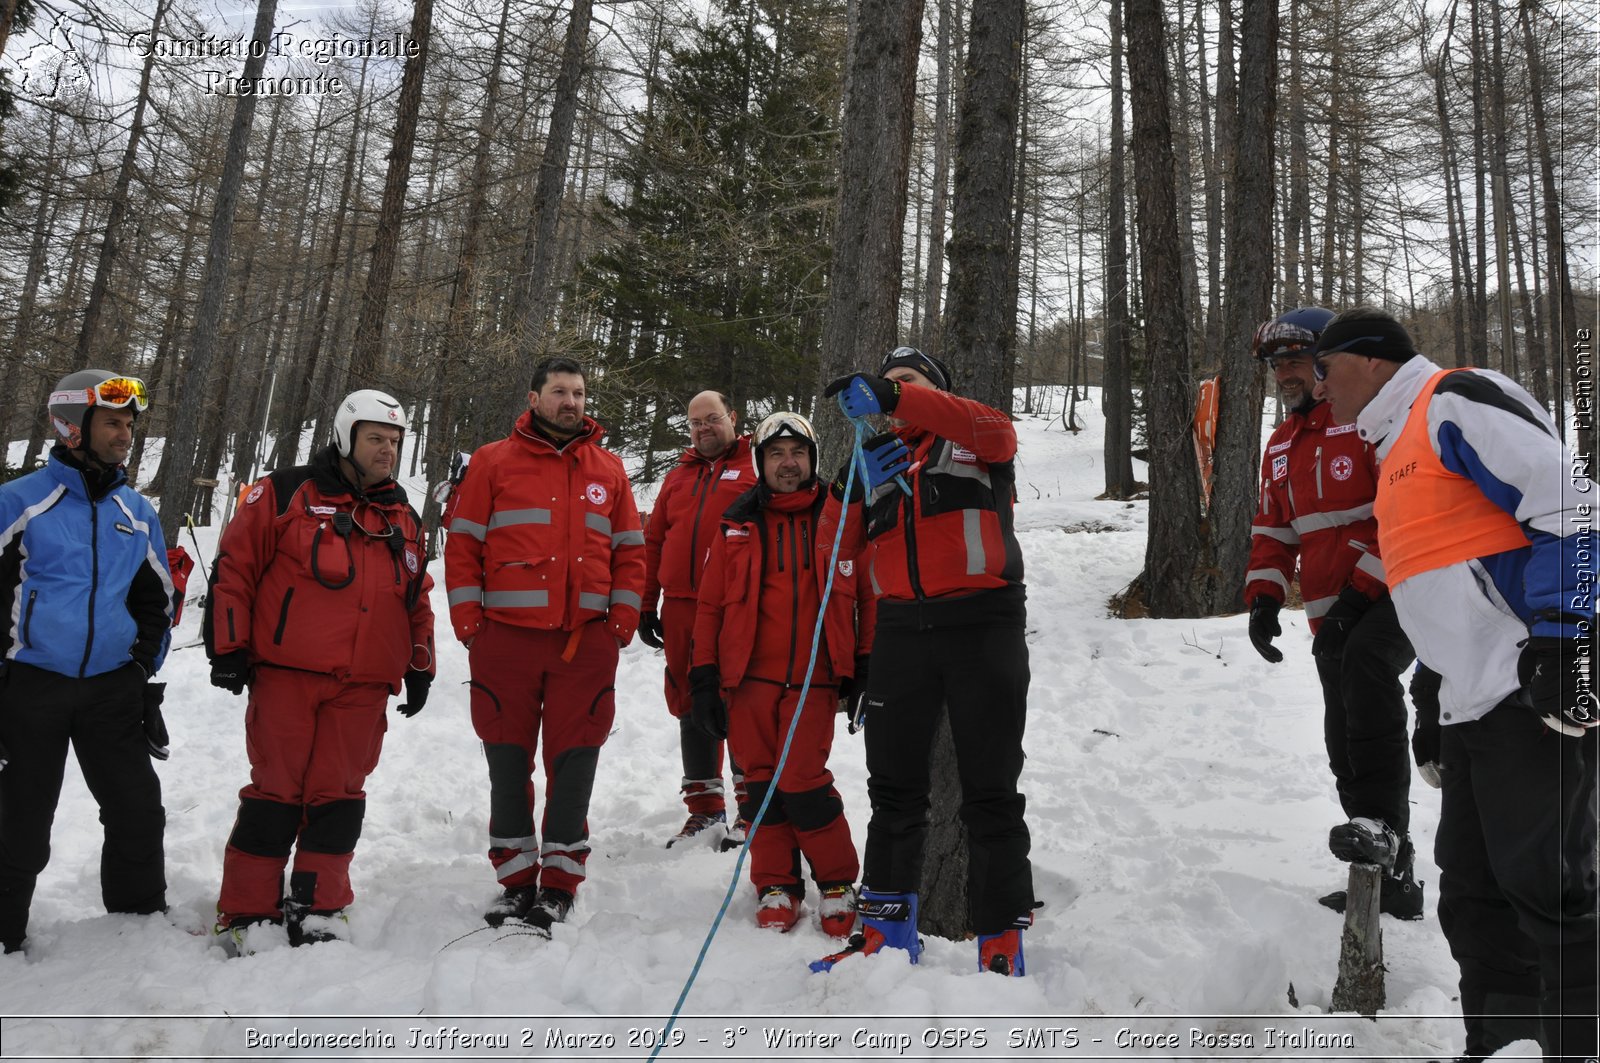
(1286, 357)
(709, 422)
(114, 393)
(1320, 371)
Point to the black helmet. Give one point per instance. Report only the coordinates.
(1291, 332)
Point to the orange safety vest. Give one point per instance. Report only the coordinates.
(1428, 516)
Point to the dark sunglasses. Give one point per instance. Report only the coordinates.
(1320, 371)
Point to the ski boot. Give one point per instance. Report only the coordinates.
(837, 911)
(888, 920)
(1399, 894)
(550, 906)
(698, 822)
(1365, 841)
(778, 909)
(309, 926)
(1002, 952)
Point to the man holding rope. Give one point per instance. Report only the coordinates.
(937, 505)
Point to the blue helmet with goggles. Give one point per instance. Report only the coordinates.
(1293, 332)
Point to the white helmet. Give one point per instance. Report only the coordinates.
(777, 425)
(364, 405)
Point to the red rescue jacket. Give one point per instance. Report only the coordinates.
(545, 538)
(760, 591)
(952, 535)
(1318, 482)
(295, 593)
(687, 512)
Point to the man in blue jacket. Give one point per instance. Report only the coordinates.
(85, 617)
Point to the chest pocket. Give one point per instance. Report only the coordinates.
(739, 553)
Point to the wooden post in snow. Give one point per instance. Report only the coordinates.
(1359, 987)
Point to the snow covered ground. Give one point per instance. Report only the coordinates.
(1178, 797)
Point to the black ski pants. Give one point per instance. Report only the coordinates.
(1364, 719)
(979, 673)
(1517, 880)
(101, 717)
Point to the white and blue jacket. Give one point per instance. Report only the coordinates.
(84, 585)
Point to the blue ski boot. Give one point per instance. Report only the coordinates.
(888, 921)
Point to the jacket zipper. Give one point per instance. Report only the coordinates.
(1319, 472)
(94, 578)
(794, 597)
(694, 529)
(912, 571)
(27, 619)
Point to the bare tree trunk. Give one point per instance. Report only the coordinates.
(89, 332)
(179, 454)
(13, 417)
(1118, 383)
(1174, 551)
(366, 354)
(929, 340)
(981, 318)
(536, 292)
(1236, 458)
(444, 436)
(1480, 297)
(869, 219)
(1563, 315)
(1501, 193)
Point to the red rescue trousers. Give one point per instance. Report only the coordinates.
(529, 683)
(702, 754)
(312, 741)
(806, 816)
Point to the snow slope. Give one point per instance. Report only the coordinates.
(1178, 797)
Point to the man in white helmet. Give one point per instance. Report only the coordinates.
(85, 618)
(319, 604)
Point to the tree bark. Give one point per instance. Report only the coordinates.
(366, 354)
(1117, 394)
(929, 340)
(536, 292)
(981, 317)
(1173, 551)
(89, 332)
(870, 212)
(1236, 459)
(179, 455)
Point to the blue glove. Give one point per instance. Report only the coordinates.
(860, 395)
(887, 457)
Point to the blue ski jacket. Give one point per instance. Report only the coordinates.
(84, 586)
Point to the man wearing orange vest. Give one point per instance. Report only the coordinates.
(1315, 514)
(545, 567)
(1488, 535)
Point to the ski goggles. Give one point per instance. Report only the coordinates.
(1276, 338)
(115, 393)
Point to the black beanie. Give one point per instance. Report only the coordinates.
(1370, 337)
(928, 366)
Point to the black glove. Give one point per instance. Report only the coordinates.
(1425, 739)
(858, 489)
(1264, 627)
(860, 394)
(707, 710)
(851, 688)
(417, 683)
(231, 671)
(650, 632)
(1552, 670)
(1338, 622)
(155, 728)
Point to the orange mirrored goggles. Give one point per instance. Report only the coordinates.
(114, 393)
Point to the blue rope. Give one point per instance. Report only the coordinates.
(857, 460)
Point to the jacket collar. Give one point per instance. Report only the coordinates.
(331, 481)
(78, 478)
(1381, 421)
(531, 436)
(740, 447)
